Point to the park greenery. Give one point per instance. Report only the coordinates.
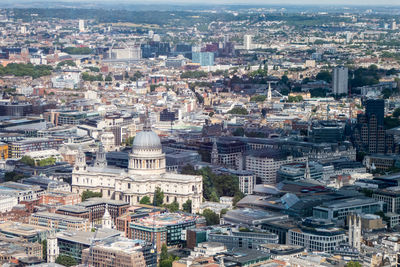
(77, 50)
(70, 63)
(258, 98)
(20, 69)
(216, 185)
(238, 111)
(41, 163)
(297, 98)
(92, 78)
(194, 74)
(89, 194)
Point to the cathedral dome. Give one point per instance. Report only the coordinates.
(146, 140)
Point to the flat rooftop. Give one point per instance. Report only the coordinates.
(351, 202)
(86, 238)
(59, 217)
(21, 229)
(165, 219)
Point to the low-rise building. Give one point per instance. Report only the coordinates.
(59, 222)
(233, 238)
(166, 228)
(317, 235)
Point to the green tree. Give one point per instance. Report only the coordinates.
(258, 98)
(238, 132)
(66, 63)
(223, 212)
(353, 264)
(89, 194)
(211, 217)
(158, 197)
(237, 197)
(44, 249)
(238, 111)
(396, 113)
(27, 160)
(173, 207)
(78, 50)
(164, 252)
(145, 200)
(187, 206)
(66, 260)
(108, 78)
(13, 176)
(129, 141)
(324, 76)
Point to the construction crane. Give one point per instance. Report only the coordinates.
(91, 247)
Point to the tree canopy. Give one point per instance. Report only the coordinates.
(66, 260)
(89, 194)
(211, 217)
(238, 111)
(19, 69)
(158, 197)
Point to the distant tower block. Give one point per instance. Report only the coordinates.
(355, 231)
(82, 25)
(52, 248)
(247, 41)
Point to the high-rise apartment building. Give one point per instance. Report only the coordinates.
(340, 80)
(81, 25)
(247, 41)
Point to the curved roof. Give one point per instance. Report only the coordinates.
(146, 139)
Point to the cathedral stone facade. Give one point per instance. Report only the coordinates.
(145, 173)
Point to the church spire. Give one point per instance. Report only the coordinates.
(307, 173)
(101, 160)
(106, 221)
(269, 95)
(80, 160)
(214, 153)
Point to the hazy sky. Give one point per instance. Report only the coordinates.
(266, 2)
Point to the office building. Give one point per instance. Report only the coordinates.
(18, 149)
(266, 163)
(375, 107)
(163, 228)
(317, 235)
(26, 232)
(249, 240)
(339, 210)
(340, 81)
(390, 196)
(72, 242)
(15, 109)
(203, 58)
(120, 251)
(299, 171)
(59, 222)
(370, 135)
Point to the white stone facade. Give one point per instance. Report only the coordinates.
(145, 173)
